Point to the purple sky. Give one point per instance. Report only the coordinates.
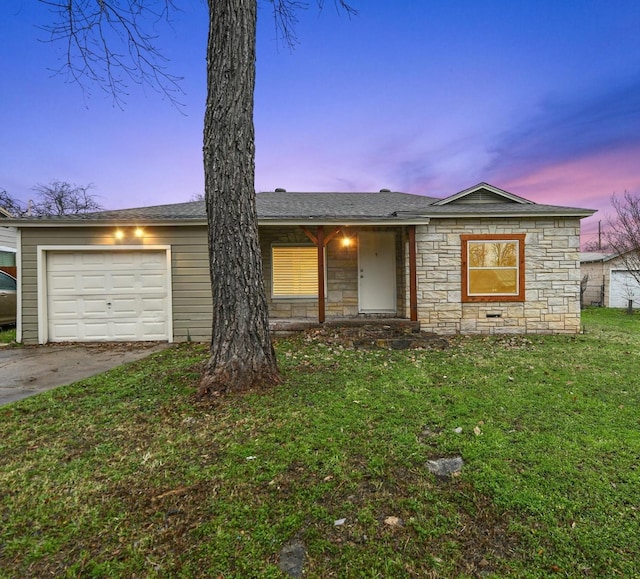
(538, 97)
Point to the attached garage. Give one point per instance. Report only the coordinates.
(624, 287)
(93, 295)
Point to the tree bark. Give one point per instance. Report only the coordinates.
(242, 355)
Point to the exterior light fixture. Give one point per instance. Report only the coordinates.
(347, 242)
(139, 232)
(119, 234)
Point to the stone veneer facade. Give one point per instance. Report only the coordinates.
(552, 278)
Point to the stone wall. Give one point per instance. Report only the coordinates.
(552, 278)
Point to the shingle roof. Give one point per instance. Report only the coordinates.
(383, 204)
(279, 206)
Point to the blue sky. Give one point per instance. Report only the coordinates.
(539, 97)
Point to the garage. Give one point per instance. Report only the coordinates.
(624, 287)
(111, 295)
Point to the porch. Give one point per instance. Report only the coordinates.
(357, 274)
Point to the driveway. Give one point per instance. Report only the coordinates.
(28, 370)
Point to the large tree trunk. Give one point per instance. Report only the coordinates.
(242, 355)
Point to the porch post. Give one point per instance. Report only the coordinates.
(320, 244)
(413, 275)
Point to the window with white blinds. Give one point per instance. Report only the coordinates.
(294, 271)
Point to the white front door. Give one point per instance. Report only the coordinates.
(107, 296)
(377, 272)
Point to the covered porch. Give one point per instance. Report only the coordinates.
(339, 273)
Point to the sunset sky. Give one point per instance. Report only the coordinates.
(538, 97)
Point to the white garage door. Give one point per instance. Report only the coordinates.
(107, 296)
(623, 288)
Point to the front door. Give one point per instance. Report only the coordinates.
(377, 272)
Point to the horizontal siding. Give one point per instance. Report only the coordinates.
(8, 236)
(192, 308)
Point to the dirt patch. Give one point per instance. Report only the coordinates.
(378, 336)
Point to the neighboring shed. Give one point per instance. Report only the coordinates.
(610, 283)
(481, 261)
(8, 236)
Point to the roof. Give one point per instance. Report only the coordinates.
(380, 205)
(280, 206)
(595, 256)
(592, 256)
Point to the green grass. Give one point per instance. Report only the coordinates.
(7, 336)
(125, 474)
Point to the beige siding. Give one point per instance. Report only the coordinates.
(192, 309)
(8, 236)
(552, 278)
(600, 274)
(593, 294)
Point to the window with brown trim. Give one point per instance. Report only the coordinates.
(493, 268)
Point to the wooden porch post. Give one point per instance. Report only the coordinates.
(320, 244)
(413, 275)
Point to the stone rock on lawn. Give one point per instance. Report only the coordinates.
(292, 558)
(445, 468)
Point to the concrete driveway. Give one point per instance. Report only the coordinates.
(28, 370)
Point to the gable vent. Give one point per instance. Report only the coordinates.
(482, 196)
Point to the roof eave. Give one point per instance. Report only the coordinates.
(27, 223)
(343, 221)
(146, 222)
(580, 213)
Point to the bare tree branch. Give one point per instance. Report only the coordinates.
(107, 41)
(623, 235)
(107, 44)
(285, 19)
(12, 205)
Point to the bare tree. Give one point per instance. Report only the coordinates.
(62, 198)
(623, 233)
(596, 245)
(10, 204)
(55, 199)
(242, 355)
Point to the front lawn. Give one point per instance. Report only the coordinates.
(125, 474)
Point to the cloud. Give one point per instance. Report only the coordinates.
(567, 129)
